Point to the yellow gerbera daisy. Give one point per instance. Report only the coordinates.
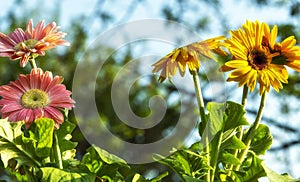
(187, 55)
(289, 54)
(252, 59)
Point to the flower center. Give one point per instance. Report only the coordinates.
(27, 44)
(35, 98)
(258, 59)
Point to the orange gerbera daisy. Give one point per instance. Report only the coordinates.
(252, 58)
(187, 55)
(31, 43)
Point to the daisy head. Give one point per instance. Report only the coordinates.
(32, 42)
(187, 56)
(288, 53)
(33, 96)
(252, 59)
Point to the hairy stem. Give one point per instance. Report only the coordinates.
(202, 116)
(239, 131)
(252, 130)
(244, 97)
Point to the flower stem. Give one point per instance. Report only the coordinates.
(57, 152)
(244, 97)
(199, 95)
(214, 161)
(202, 116)
(32, 63)
(252, 130)
(239, 130)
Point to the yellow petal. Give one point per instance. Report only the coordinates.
(252, 79)
(241, 71)
(174, 55)
(273, 35)
(237, 63)
(184, 53)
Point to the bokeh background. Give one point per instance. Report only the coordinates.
(84, 20)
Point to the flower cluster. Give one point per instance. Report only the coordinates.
(256, 57)
(37, 94)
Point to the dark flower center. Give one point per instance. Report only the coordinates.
(258, 59)
(35, 98)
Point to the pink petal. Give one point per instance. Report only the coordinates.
(29, 30)
(54, 114)
(13, 117)
(7, 40)
(24, 60)
(18, 35)
(37, 32)
(11, 108)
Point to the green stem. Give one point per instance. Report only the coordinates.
(244, 97)
(57, 152)
(32, 63)
(199, 95)
(202, 116)
(214, 161)
(239, 131)
(252, 130)
(243, 102)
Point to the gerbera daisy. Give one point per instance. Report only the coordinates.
(289, 53)
(35, 95)
(252, 59)
(187, 55)
(31, 43)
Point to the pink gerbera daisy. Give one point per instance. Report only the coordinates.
(33, 96)
(31, 43)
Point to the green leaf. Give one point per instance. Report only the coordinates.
(64, 136)
(251, 168)
(201, 126)
(225, 116)
(44, 128)
(233, 143)
(234, 116)
(176, 162)
(106, 165)
(97, 153)
(54, 174)
(12, 145)
(224, 119)
(262, 140)
(216, 115)
(92, 164)
(139, 178)
(159, 177)
(229, 158)
(191, 179)
(275, 177)
(186, 162)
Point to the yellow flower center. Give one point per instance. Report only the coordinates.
(27, 44)
(35, 98)
(258, 59)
